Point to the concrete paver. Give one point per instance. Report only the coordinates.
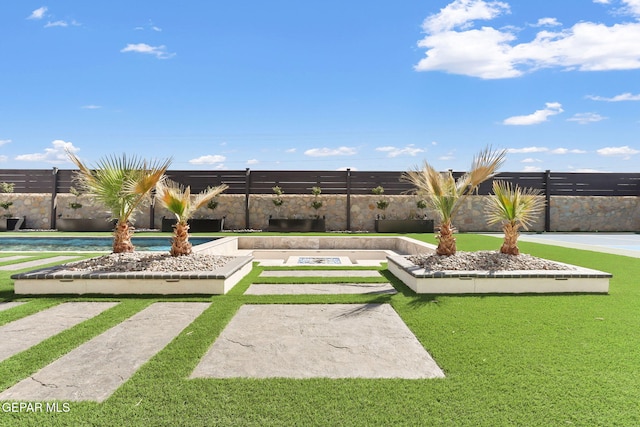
(321, 289)
(13, 258)
(23, 333)
(37, 262)
(317, 340)
(10, 304)
(320, 273)
(97, 368)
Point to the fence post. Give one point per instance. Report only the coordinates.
(547, 198)
(348, 199)
(54, 199)
(247, 191)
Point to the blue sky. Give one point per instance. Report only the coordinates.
(322, 85)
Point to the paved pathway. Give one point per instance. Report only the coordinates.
(261, 341)
(321, 289)
(317, 341)
(37, 262)
(320, 273)
(97, 368)
(21, 334)
(8, 305)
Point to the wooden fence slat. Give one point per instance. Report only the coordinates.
(335, 182)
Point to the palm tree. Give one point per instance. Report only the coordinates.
(122, 185)
(515, 207)
(444, 193)
(177, 199)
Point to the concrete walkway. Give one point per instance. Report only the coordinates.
(97, 368)
(261, 341)
(21, 334)
(317, 341)
(36, 263)
(320, 273)
(321, 289)
(8, 305)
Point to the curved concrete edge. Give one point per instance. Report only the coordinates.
(580, 280)
(56, 281)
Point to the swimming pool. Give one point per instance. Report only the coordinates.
(98, 244)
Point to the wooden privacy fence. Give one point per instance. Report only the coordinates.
(347, 182)
(338, 182)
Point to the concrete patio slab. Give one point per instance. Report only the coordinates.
(8, 305)
(37, 262)
(321, 289)
(320, 273)
(317, 341)
(23, 333)
(97, 368)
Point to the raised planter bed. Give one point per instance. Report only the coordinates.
(196, 225)
(284, 225)
(85, 224)
(54, 280)
(580, 280)
(404, 225)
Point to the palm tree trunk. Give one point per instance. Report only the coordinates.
(510, 244)
(180, 244)
(446, 241)
(122, 238)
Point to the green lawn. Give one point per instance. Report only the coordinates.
(553, 360)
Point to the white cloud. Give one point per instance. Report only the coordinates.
(527, 150)
(57, 153)
(625, 151)
(91, 107)
(3, 159)
(253, 161)
(531, 169)
(461, 13)
(56, 24)
(588, 170)
(454, 46)
(38, 13)
(632, 7)
(4, 141)
(539, 116)
(586, 118)
(410, 150)
(627, 96)
(324, 152)
(159, 52)
(566, 151)
(208, 160)
(602, 1)
(531, 160)
(547, 22)
(290, 150)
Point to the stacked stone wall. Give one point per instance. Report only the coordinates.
(568, 213)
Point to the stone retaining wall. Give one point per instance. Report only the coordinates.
(568, 213)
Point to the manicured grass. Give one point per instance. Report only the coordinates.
(547, 360)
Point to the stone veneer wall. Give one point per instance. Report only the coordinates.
(568, 213)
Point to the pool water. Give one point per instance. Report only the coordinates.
(45, 244)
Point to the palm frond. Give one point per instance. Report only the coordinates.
(513, 204)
